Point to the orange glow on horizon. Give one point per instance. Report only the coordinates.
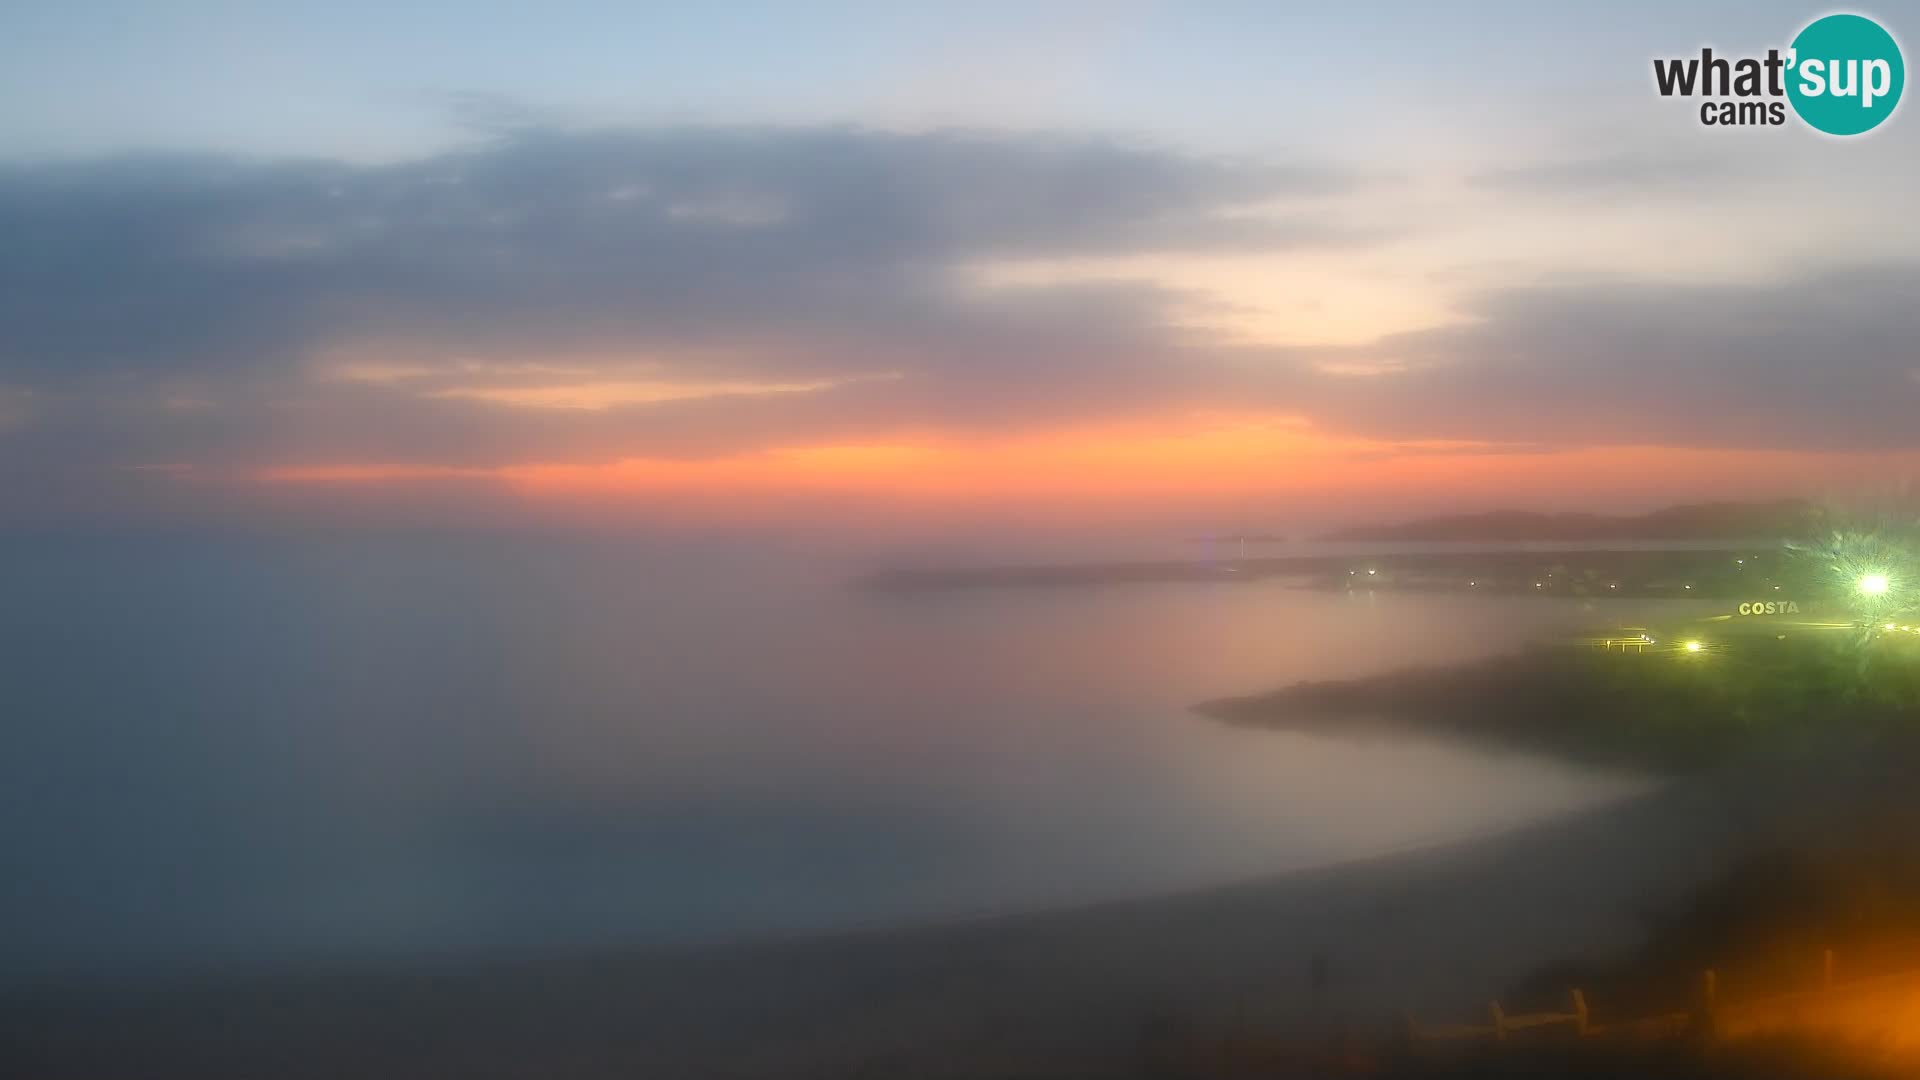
(1269, 457)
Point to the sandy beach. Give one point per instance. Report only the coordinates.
(1435, 932)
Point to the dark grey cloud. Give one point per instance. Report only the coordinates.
(1819, 361)
(549, 238)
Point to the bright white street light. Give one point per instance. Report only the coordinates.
(1873, 584)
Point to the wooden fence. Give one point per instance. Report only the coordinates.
(1878, 1000)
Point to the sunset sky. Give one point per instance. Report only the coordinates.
(1195, 263)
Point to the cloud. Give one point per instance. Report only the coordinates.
(682, 279)
(1637, 173)
(15, 407)
(1815, 361)
(546, 239)
(602, 394)
(586, 297)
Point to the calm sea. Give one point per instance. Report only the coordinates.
(256, 752)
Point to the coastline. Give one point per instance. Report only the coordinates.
(1435, 931)
(1660, 709)
(1624, 569)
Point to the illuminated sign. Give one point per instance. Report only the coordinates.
(1770, 607)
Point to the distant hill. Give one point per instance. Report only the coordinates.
(1692, 521)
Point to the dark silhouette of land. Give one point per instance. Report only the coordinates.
(1656, 707)
(1695, 572)
(1654, 554)
(1785, 518)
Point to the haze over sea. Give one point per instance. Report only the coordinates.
(259, 752)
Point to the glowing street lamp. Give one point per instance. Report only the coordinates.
(1694, 646)
(1874, 584)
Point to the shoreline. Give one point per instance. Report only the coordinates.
(1654, 569)
(1744, 692)
(1435, 931)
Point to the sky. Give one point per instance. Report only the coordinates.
(838, 264)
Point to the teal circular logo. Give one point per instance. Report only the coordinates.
(1846, 74)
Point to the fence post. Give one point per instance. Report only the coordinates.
(1709, 990)
(1499, 1016)
(1579, 1002)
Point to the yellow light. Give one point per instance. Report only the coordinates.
(1873, 584)
(1693, 646)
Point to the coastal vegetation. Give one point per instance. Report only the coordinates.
(1658, 706)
